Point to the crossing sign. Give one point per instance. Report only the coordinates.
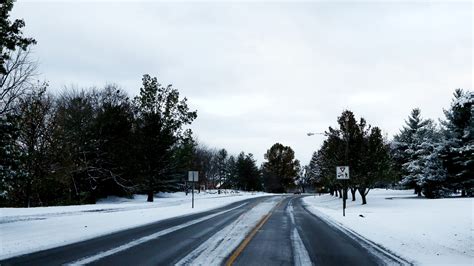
(342, 172)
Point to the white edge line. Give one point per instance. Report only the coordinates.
(380, 252)
(300, 253)
(142, 240)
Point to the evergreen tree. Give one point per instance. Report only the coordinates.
(433, 179)
(458, 153)
(160, 118)
(376, 163)
(280, 169)
(405, 145)
(11, 36)
(247, 173)
(232, 178)
(359, 146)
(222, 167)
(184, 157)
(11, 161)
(113, 135)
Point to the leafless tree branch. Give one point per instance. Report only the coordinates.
(20, 73)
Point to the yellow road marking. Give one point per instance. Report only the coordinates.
(249, 237)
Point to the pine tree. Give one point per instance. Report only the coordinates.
(11, 35)
(160, 118)
(404, 149)
(280, 169)
(11, 161)
(458, 153)
(222, 169)
(433, 179)
(359, 146)
(247, 173)
(313, 170)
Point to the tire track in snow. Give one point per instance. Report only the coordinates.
(300, 254)
(142, 240)
(216, 249)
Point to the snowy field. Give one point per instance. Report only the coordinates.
(424, 231)
(24, 230)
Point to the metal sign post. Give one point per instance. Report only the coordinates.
(342, 173)
(193, 176)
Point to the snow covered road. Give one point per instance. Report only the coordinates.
(270, 230)
(26, 230)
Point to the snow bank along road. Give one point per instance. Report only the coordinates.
(273, 230)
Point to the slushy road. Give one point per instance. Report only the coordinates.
(286, 235)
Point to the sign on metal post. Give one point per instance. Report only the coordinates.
(193, 177)
(342, 172)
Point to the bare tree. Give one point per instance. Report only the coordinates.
(17, 80)
(36, 111)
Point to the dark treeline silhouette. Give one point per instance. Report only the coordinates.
(82, 145)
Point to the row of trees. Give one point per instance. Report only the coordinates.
(82, 145)
(277, 174)
(437, 160)
(86, 144)
(355, 144)
(219, 170)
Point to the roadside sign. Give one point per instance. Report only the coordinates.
(193, 176)
(342, 172)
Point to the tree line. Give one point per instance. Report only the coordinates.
(436, 160)
(83, 144)
(80, 145)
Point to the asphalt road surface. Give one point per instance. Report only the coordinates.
(288, 235)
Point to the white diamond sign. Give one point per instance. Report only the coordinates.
(342, 172)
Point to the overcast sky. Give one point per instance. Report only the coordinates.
(260, 73)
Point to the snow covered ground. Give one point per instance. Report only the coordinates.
(25, 230)
(424, 231)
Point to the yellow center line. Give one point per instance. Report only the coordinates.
(249, 237)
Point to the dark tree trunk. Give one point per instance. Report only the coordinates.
(28, 194)
(340, 193)
(150, 196)
(353, 192)
(335, 193)
(463, 193)
(362, 195)
(331, 192)
(418, 190)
